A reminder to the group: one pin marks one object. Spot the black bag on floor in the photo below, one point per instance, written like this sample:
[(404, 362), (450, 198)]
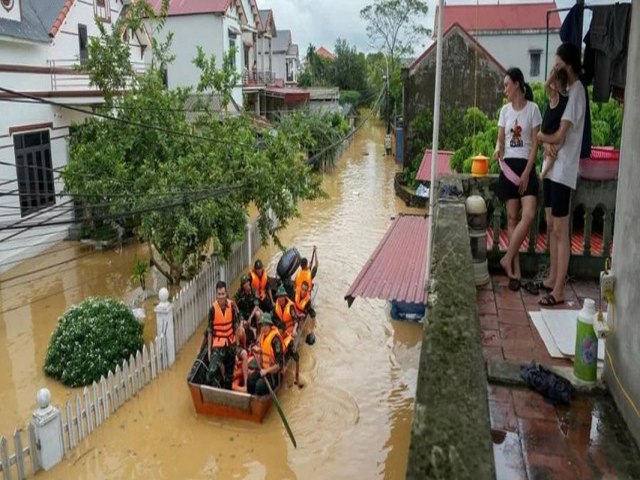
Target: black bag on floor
[(554, 388)]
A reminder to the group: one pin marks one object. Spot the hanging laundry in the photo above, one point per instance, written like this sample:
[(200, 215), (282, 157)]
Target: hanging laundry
[(606, 52), (570, 29)]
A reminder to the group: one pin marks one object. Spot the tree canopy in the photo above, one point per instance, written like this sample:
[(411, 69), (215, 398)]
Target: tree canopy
[(180, 178)]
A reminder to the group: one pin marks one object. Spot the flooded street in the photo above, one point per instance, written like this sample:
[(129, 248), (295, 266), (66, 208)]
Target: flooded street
[(351, 420)]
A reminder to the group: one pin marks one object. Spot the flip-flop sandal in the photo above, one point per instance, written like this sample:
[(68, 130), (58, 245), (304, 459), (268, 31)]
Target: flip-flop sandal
[(550, 301), (541, 286), (532, 288), (514, 284)]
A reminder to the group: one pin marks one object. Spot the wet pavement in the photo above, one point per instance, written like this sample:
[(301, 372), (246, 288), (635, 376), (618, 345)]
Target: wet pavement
[(351, 420), (533, 439)]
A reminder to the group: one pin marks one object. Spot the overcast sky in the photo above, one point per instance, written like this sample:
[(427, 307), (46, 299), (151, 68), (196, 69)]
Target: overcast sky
[(321, 22)]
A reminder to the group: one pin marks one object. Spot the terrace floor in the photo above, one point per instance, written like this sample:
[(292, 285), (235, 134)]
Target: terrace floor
[(533, 439)]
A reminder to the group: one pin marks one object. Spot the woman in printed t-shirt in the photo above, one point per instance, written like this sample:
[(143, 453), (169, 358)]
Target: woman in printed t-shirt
[(565, 145), (516, 150)]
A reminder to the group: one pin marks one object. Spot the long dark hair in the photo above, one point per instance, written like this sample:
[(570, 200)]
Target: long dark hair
[(516, 76), (570, 54)]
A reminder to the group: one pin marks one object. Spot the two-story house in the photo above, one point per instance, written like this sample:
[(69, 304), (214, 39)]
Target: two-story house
[(40, 42), (284, 56), (515, 34), (220, 27)]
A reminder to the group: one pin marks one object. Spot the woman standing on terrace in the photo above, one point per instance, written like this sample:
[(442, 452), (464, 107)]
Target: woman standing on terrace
[(516, 150), (564, 145)]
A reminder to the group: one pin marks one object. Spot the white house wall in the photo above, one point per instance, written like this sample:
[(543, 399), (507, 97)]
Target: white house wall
[(513, 50), (19, 244), (209, 31)]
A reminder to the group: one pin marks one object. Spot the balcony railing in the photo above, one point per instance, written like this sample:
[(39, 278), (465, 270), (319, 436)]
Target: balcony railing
[(65, 76), (591, 222), (257, 78)]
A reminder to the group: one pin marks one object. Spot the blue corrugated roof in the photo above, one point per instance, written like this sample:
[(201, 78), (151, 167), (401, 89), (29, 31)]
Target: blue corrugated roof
[(38, 16)]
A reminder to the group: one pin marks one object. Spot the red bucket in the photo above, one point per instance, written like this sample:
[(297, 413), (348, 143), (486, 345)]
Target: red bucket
[(603, 164)]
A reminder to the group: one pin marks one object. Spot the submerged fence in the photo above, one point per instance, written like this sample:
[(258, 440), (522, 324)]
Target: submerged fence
[(36, 448), (193, 301)]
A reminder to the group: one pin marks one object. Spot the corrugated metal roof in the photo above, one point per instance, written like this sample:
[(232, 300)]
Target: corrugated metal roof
[(38, 18), (397, 268), (443, 165)]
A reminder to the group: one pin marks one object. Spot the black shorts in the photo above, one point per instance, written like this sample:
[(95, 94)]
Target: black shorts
[(509, 191), (557, 197)]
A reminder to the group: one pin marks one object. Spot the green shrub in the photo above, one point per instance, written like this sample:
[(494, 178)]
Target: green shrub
[(90, 339), (351, 97)]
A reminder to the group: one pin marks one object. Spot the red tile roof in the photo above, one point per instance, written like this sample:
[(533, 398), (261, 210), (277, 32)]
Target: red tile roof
[(503, 16), (443, 165), (397, 268), (191, 7), (456, 27), (61, 17), (324, 53)]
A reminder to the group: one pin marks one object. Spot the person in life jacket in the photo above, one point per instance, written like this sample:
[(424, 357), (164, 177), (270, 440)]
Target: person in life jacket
[(302, 304), (269, 351), (260, 284), (285, 313), (307, 271), (222, 335), (248, 304), (307, 274)]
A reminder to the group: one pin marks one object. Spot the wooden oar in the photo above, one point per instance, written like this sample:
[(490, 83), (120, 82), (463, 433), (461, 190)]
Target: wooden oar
[(280, 411)]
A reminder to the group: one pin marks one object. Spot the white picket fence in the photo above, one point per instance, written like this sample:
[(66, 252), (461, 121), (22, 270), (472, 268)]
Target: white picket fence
[(192, 303), (83, 415), (89, 410), (18, 459)]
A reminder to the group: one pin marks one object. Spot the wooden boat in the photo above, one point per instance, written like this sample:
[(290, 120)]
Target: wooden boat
[(221, 402)]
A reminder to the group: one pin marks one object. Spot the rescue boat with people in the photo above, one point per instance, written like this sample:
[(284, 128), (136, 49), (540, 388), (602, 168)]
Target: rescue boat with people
[(221, 402)]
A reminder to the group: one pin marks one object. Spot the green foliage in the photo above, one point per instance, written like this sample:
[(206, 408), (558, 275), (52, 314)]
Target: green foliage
[(350, 97), (171, 181), (350, 68), (315, 132), (140, 272), (606, 123), (91, 339), (394, 27), (410, 173), (318, 72), (606, 130)]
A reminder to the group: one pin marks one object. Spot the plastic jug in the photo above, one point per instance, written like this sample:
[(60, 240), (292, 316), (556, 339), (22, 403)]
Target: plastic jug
[(585, 361)]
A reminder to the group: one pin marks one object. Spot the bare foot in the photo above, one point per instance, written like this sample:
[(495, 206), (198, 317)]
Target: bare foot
[(507, 267)]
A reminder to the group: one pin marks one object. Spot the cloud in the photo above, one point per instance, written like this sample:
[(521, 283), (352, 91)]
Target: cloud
[(320, 22)]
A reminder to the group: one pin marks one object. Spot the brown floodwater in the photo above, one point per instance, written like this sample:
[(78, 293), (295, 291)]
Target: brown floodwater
[(351, 420)]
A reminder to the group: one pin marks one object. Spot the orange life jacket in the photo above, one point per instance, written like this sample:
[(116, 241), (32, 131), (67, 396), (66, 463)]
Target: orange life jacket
[(223, 334), (267, 355), (304, 275), (285, 315), (301, 302), (259, 284)]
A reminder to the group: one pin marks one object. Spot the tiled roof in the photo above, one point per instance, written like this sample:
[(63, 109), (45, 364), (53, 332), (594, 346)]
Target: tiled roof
[(443, 165), (455, 28), (324, 53), (282, 41), (502, 16), (191, 7), (40, 20), (397, 268)]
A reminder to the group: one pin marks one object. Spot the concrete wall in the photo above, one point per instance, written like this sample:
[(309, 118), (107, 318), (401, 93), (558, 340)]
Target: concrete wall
[(458, 92), (624, 346), (450, 436), (517, 54)]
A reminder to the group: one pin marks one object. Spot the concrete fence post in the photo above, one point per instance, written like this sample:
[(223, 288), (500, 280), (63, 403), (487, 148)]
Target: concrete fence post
[(164, 324), (47, 422), (248, 234)]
